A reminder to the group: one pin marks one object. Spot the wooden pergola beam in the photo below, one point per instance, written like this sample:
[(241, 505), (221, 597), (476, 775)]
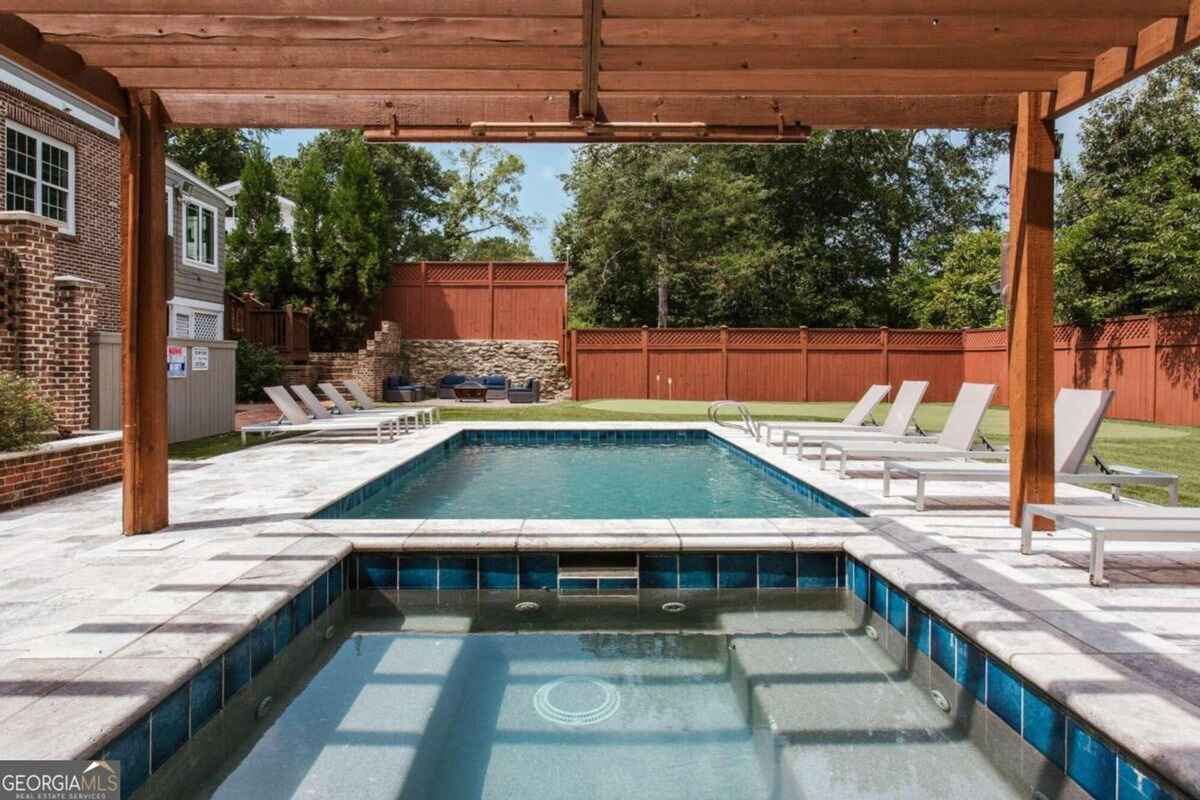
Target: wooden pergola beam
[(25, 45), (1157, 44), (589, 94), (144, 315), (1030, 296), (435, 111), (349, 80)]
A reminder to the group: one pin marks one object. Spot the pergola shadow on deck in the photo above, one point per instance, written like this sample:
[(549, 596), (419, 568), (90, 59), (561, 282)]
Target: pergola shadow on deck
[(590, 70)]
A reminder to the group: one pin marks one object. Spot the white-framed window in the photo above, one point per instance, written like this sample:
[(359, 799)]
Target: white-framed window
[(199, 234), (39, 175), (170, 210), (196, 319)]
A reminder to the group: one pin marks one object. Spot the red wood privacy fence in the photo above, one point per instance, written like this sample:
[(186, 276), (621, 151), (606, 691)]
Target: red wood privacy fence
[(1152, 363), (477, 300)]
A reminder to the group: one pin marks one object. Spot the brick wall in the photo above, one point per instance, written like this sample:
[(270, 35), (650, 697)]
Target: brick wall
[(94, 250), (58, 469), (382, 356), (76, 301)]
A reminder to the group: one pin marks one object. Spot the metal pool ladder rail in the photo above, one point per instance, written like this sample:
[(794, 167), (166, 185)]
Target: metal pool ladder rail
[(746, 423)]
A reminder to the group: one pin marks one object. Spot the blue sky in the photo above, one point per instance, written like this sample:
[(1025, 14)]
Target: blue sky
[(542, 193)]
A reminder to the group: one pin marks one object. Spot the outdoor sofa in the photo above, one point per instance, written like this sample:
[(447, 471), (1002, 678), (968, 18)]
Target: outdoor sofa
[(529, 392)]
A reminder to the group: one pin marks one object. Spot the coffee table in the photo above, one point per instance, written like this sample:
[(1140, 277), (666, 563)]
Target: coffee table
[(474, 392)]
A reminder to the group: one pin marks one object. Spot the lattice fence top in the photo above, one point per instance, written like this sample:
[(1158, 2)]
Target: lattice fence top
[(529, 273), (997, 337), (456, 272), (406, 273), (1131, 330), (1180, 329), (783, 337), (852, 337), (1063, 334), (611, 336), (684, 336), (926, 340), (477, 272)]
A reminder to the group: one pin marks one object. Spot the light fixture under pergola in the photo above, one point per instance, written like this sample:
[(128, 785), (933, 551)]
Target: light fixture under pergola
[(591, 70)]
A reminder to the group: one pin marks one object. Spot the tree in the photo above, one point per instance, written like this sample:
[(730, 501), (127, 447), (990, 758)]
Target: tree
[(216, 155), (311, 195), (965, 294), (1129, 213), (259, 256), (354, 253), (497, 248), (483, 199)]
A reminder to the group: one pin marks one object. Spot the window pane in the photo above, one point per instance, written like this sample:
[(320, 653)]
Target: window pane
[(192, 231), (207, 234), (19, 193), (22, 153), (20, 184), (54, 203), (56, 166)]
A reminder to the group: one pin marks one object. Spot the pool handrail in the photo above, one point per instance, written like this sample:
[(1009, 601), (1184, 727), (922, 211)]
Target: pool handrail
[(746, 424)]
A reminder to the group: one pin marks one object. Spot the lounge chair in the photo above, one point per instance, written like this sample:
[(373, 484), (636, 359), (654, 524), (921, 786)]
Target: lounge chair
[(955, 440), (1077, 417), (319, 411), (426, 415), (530, 392), (859, 417), (894, 429), (445, 387), (295, 420), (1112, 523)]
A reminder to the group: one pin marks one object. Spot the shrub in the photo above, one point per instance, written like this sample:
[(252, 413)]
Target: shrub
[(257, 366), (25, 417)]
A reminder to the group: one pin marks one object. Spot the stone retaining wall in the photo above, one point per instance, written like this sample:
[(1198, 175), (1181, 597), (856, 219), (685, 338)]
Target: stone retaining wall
[(58, 468), (428, 360)]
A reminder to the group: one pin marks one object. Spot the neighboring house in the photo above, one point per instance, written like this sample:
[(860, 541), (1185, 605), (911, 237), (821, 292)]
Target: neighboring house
[(287, 209), (60, 258)]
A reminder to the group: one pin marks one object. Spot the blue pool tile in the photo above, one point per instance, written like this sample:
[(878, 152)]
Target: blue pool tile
[(132, 749), (498, 572), (539, 571), (1091, 763), (777, 570), (736, 571), (577, 584), (658, 571), (335, 581), (860, 578), (352, 571), (971, 670), (302, 610), (879, 595), (697, 571), (418, 572), (622, 584), (376, 571), (237, 667), (320, 595), (840, 566), (919, 634), (169, 727), (1044, 727), (817, 570), (897, 615), (457, 572), (284, 627), (943, 646), (1004, 694), (262, 646), (206, 695), (1133, 784)]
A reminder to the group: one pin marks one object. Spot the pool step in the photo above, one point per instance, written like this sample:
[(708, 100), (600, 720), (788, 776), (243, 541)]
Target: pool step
[(598, 573)]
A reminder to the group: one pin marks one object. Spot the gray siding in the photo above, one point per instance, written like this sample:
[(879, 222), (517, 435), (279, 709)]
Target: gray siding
[(193, 282), (202, 404)]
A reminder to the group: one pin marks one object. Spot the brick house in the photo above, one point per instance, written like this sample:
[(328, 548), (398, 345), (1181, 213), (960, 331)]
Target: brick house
[(60, 244)]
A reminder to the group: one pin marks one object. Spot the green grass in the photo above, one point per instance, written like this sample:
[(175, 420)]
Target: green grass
[(1158, 447)]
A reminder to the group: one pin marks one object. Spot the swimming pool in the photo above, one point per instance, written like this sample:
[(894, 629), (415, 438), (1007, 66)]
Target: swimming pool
[(497, 474)]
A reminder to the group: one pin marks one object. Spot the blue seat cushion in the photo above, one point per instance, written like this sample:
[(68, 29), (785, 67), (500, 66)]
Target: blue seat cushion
[(454, 379), (494, 381)]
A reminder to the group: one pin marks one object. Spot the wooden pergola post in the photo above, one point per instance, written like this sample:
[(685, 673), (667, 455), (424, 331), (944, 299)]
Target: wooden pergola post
[(1031, 307), (144, 314)]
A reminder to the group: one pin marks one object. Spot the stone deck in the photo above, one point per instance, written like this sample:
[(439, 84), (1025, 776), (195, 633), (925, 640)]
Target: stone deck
[(97, 628)]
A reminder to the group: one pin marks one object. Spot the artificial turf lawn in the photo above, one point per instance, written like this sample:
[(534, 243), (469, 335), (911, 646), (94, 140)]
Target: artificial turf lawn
[(1140, 444)]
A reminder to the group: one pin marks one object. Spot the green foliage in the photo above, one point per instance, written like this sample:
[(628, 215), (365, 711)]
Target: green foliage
[(259, 255), (216, 155), (25, 417), (483, 199), (966, 293), (257, 366), (1129, 214), (497, 248)]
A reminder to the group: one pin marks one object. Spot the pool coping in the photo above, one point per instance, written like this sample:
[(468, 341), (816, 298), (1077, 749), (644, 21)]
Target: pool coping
[(1150, 722)]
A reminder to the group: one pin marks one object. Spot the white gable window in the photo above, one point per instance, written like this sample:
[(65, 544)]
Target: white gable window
[(39, 175), (199, 235)]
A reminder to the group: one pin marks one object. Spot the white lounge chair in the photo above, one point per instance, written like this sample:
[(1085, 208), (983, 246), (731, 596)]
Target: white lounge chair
[(1112, 523), (318, 410), (894, 429), (425, 414), (1077, 417), (294, 420), (859, 417), (955, 440)]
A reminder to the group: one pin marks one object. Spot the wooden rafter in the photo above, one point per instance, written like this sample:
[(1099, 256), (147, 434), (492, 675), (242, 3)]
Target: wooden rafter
[(24, 44), (589, 100)]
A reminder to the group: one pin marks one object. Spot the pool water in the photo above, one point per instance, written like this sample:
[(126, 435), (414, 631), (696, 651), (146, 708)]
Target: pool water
[(811, 709), (592, 481)]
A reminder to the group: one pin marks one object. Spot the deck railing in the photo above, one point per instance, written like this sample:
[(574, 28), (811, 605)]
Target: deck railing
[(284, 330)]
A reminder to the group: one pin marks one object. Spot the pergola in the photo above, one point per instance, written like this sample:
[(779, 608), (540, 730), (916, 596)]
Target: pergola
[(583, 71)]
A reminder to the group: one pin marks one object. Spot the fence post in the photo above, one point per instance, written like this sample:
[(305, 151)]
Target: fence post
[(803, 363), (1153, 368), (289, 331), (883, 343), (574, 365), (724, 362), (646, 361)]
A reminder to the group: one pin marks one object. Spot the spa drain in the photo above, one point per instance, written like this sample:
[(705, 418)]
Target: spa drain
[(527, 607), (581, 692), (673, 607)]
